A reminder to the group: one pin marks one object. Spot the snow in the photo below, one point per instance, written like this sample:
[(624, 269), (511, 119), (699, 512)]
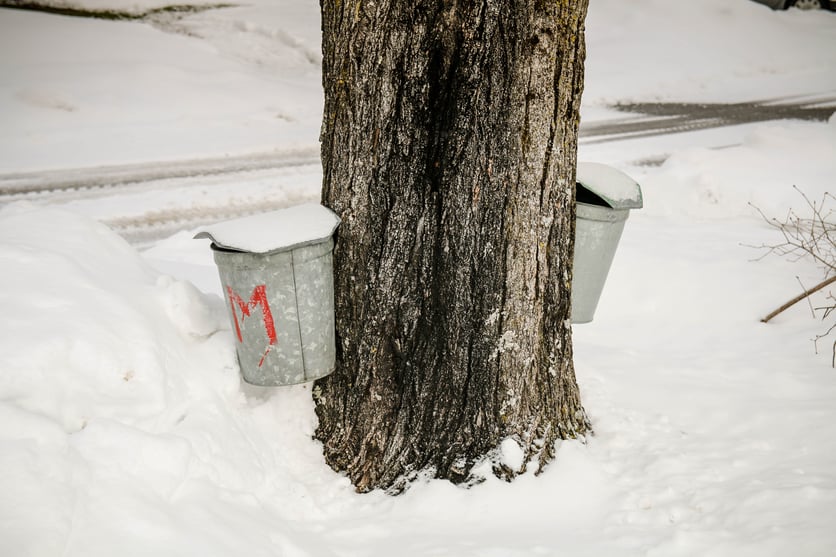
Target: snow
[(618, 189), (761, 169), (125, 428), (511, 454), (275, 231), (708, 51), (82, 92)]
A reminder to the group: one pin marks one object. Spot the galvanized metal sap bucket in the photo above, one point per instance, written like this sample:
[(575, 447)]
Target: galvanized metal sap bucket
[(605, 197), (277, 275)]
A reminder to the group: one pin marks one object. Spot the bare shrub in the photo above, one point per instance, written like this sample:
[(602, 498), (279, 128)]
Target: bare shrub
[(810, 236)]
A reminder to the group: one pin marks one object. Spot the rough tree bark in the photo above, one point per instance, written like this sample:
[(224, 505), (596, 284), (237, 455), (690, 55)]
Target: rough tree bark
[(449, 147)]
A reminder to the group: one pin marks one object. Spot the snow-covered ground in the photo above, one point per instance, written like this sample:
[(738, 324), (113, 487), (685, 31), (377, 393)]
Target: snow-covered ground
[(125, 430), (84, 92)]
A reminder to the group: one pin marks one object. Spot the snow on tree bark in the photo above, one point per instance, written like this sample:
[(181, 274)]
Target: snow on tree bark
[(449, 145)]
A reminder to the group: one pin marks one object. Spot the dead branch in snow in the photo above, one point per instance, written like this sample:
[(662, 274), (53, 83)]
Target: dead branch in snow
[(813, 237), (800, 297)]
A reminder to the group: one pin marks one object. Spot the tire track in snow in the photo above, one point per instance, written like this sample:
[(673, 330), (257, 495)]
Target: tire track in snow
[(156, 225), (148, 202), (77, 183), (222, 174), (654, 119)]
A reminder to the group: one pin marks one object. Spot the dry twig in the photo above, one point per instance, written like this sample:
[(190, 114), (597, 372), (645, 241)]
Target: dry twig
[(800, 297), (813, 237)]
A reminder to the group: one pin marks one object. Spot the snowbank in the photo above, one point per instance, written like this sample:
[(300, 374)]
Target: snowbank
[(708, 183), (122, 424)]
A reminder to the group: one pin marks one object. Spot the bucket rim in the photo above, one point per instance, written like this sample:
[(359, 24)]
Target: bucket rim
[(273, 232)]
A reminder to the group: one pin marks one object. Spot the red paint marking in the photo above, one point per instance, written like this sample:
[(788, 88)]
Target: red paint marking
[(264, 357), (258, 298)]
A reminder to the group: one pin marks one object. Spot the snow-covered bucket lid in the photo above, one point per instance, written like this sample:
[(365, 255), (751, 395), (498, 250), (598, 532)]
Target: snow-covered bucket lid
[(617, 189), (274, 232)]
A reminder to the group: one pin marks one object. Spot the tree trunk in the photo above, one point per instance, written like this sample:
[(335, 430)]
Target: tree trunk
[(449, 148)]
